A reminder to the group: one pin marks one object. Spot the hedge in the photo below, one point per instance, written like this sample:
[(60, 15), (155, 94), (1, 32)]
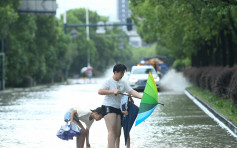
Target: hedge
[(222, 81)]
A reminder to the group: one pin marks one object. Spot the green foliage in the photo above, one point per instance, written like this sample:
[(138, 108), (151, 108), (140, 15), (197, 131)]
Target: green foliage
[(203, 31), (38, 50), (136, 54), (21, 37), (104, 49), (144, 52), (180, 64), (8, 11), (224, 106)]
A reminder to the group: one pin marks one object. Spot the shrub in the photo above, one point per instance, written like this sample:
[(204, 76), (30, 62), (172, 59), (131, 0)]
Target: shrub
[(204, 78), (27, 81), (214, 72), (222, 82), (232, 91), (198, 76)]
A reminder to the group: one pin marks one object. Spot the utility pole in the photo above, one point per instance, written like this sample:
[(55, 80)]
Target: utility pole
[(65, 31), (87, 36), (2, 67), (65, 21)]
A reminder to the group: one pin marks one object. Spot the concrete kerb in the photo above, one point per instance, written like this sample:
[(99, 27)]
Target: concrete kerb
[(231, 126), (24, 89)]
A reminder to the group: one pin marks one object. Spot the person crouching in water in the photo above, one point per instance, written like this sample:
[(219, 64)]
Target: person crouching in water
[(87, 116)]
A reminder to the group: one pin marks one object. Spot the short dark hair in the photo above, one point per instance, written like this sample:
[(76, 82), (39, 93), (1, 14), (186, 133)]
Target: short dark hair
[(97, 110), (119, 68)]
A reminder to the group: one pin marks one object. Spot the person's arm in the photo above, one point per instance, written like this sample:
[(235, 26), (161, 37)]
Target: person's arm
[(131, 99), (108, 92), (135, 94), (77, 122), (72, 114), (123, 107), (124, 112), (131, 91)]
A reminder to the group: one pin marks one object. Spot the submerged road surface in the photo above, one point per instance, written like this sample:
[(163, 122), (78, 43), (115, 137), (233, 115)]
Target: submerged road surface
[(31, 118)]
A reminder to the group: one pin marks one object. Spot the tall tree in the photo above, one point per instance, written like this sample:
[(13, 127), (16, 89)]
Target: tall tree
[(103, 48), (188, 28)]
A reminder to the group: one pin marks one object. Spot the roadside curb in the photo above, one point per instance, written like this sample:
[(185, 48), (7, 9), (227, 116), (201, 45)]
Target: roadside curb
[(219, 116), (24, 89)]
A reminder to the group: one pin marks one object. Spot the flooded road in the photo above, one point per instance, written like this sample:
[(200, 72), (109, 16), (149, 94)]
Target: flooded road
[(31, 118)]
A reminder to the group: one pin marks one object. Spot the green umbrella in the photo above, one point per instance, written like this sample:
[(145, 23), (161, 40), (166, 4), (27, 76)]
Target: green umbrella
[(149, 100)]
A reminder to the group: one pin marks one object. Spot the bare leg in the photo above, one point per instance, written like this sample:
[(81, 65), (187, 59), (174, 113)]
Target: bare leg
[(81, 139), (112, 125), (128, 142), (87, 138), (118, 131)]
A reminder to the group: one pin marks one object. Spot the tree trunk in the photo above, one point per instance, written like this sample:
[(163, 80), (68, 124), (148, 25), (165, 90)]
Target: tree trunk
[(218, 57), (223, 48), (231, 53)]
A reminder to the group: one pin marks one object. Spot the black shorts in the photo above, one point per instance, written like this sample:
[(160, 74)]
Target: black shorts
[(109, 109)]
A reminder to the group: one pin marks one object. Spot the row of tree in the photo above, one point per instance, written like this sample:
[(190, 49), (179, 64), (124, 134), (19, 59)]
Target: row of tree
[(199, 33), (37, 50)]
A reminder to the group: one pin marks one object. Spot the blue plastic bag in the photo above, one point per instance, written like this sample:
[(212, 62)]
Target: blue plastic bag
[(68, 131)]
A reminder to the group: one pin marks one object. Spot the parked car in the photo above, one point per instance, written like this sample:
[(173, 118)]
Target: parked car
[(139, 75)]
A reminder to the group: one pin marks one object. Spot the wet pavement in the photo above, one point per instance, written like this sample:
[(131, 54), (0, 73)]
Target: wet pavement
[(30, 118)]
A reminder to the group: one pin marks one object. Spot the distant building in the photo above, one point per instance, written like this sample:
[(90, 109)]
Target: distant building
[(124, 13)]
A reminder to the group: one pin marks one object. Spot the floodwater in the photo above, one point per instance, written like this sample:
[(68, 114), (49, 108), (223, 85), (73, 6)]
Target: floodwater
[(30, 118)]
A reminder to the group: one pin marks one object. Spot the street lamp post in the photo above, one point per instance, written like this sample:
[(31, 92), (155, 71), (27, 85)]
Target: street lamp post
[(2, 67), (87, 36)]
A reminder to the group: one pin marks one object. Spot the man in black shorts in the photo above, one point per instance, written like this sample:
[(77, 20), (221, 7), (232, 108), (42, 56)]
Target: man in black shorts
[(111, 104)]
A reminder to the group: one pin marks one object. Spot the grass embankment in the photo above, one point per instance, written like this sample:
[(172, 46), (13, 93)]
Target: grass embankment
[(223, 105)]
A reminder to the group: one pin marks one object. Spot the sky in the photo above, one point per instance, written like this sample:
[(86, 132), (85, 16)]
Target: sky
[(102, 7)]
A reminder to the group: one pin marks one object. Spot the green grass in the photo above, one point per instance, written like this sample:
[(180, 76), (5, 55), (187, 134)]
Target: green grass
[(224, 106)]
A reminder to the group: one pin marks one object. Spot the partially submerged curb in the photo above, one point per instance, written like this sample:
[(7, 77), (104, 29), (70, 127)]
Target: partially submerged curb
[(219, 116), (24, 89)]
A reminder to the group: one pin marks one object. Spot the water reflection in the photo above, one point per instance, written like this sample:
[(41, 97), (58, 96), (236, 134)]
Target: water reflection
[(181, 124)]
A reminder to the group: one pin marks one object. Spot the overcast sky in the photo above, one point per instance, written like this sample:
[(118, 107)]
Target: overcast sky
[(102, 7)]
